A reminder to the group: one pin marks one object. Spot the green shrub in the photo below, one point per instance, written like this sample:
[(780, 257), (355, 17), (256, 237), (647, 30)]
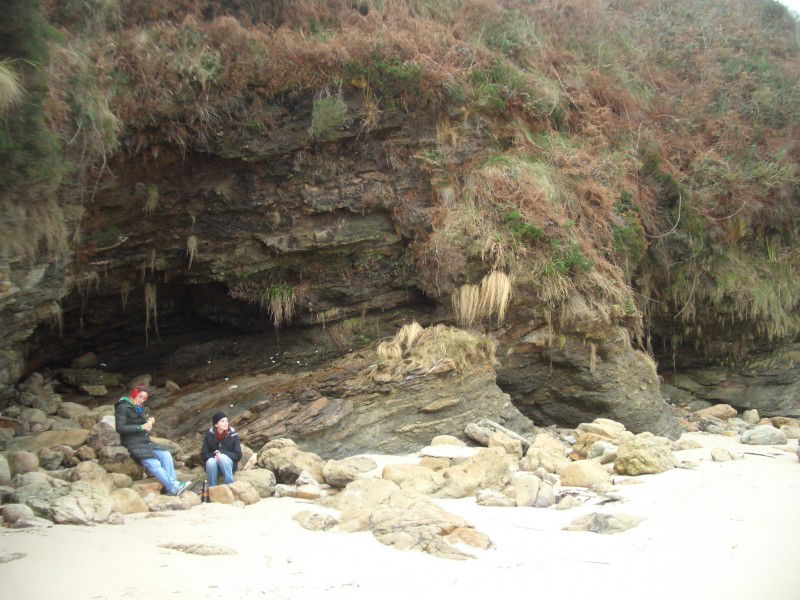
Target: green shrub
[(328, 115)]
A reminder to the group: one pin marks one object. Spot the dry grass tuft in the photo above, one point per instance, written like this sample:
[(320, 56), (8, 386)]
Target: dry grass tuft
[(473, 303), (419, 349), (11, 91)]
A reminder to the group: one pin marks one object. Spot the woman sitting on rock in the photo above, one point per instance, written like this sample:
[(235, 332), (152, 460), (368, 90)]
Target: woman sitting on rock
[(221, 449), (134, 433)]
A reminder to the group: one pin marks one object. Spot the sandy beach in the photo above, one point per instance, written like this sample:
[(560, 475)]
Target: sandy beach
[(718, 531)]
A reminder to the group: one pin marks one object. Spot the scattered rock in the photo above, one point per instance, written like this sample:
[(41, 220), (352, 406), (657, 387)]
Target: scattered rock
[(416, 477), (526, 488), (338, 473), (602, 523), (13, 556), (751, 416), (446, 440), (262, 480), (102, 434), (494, 498), (491, 467), (22, 462), (127, 502), (763, 435), (200, 549), (14, 512), (221, 493), (584, 473), (508, 444), (287, 463), (645, 453), (718, 411), (314, 521)]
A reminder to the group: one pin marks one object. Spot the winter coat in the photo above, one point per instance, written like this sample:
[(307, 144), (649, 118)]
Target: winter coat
[(131, 434), (229, 446)]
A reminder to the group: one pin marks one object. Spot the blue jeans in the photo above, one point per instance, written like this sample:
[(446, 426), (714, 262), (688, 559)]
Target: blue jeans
[(162, 468), (214, 465)]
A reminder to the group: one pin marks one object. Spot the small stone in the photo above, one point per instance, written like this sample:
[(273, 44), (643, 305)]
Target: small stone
[(751, 416), (314, 521), (200, 549), (602, 523), (584, 473), (447, 440), (567, 502), (763, 435)]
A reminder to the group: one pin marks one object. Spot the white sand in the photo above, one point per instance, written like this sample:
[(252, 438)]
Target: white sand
[(723, 531)]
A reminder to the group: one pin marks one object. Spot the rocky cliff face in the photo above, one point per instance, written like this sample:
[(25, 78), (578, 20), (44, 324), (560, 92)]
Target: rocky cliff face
[(229, 219)]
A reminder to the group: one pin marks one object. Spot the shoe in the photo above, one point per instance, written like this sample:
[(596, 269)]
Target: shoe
[(181, 487)]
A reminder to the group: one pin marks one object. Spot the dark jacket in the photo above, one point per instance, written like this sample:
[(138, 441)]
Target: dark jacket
[(229, 446), (132, 436)]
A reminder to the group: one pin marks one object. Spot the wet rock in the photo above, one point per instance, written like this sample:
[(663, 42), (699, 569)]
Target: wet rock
[(584, 473), (763, 435), (314, 521), (602, 523), (643, 454)]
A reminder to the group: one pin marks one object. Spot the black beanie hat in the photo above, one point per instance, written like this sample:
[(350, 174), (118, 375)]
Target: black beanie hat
[(217, 416)]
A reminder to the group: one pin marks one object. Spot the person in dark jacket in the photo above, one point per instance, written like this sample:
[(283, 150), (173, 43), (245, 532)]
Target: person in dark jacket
[(221, 450), (134, 432)]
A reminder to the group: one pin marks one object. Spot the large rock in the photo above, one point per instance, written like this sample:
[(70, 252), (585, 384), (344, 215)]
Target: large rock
[(72, 410), (48, 439), (599, 430), (763, 435), (86, 503), (545, 452), (338, 473), (14, 512), (22, 462), (221, 494), (48, 404), (584, 473), (126, 502), (244, 491), (718, 411), (491, 467), (288, 463), (103, 434), (415, 477), (5, 471), (644, 454), (768, 382), (574, 381), (263, 480)]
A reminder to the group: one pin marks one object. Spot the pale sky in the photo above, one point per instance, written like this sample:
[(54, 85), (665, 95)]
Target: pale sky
[(792, 4)]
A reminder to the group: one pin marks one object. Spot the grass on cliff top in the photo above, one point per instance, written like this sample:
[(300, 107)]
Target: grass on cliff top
[(415, 348)]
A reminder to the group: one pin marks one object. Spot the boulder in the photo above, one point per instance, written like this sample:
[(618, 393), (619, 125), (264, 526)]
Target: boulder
[(338, 473), (314, 521), (50, 458), (599, 430), (84, 504), (494, 498), (447, 440), (718, 411), (94, 390), (605, 452), (21, 461), (221, 494), (14, 512), (526, 488), (90, 471), (102, 434), (33, 416), (263, 480), (287, 463), (5, 471), (86, 360), (508, 444), (763, 435), (48, 404), (244, 492), (584, 473), (491, 467), (751, 416), (602, 523), (415, 477), (645, 453), (126, 501), (48, 439)]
